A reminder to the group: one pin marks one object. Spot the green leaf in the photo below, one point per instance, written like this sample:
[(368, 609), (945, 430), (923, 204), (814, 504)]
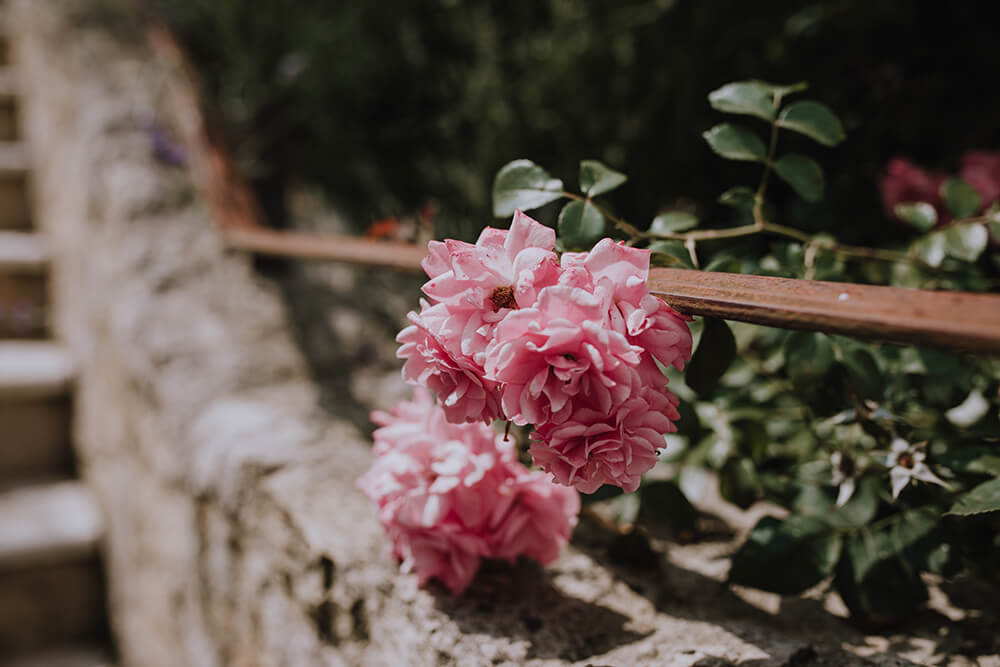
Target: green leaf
[(983, 498), (735, 142), (779, 89), (738, 482), (975, 460), (889, 592), (672, 222), (962, 199), (724, 264), (670, 253), (902, 532), (863, 373), (596, 178), (932, 249), (524, 185), (803, 174), (786, 556), (861, 508), (994, 228), (605, 492), (744, 97), (716, 352), (808, 357), (813, 119), (920, 214), (739, 196), (965, 242), (580, 224), (665, 511), (688, 424)]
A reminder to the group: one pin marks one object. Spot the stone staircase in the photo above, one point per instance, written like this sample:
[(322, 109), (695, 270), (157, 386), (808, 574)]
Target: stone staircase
[(52, 593)]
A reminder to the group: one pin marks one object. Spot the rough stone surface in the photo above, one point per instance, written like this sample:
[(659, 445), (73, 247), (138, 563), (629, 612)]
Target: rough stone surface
[(235, 534)]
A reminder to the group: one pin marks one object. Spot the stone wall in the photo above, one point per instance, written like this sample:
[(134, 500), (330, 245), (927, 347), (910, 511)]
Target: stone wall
[(235, 534)]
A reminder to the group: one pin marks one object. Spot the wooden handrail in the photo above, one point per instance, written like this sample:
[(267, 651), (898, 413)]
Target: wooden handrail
[(399, 256), (958, 320), (945, 319)]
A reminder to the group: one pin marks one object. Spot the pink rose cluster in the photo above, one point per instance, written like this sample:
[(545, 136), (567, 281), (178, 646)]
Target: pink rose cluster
[(904, 181), (568, 344), (452, 494)]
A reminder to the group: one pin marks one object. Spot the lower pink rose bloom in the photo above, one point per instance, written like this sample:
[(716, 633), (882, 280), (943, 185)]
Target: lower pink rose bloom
[(593, 448), (451, 494)]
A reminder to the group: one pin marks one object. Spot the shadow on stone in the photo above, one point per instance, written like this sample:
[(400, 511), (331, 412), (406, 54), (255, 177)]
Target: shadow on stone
[(520, 602), (345, 323)]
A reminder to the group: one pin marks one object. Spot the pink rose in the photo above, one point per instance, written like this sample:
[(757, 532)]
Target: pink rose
[(545, 355), (904, 181), (539, 522), (449, 495), (480, 283), (622, 274), (417, 425), (593, 447), (981, 170), (465, 394)]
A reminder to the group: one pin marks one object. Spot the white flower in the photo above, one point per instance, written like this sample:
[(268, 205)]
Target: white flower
[(844, 476), (906, 462)]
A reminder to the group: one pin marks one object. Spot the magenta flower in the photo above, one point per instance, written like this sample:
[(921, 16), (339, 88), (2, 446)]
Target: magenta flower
[(451, 494), (904, 181), (594, 447)]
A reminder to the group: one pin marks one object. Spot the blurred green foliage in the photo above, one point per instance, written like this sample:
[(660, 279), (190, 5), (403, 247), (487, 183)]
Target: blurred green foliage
[(387, 105)]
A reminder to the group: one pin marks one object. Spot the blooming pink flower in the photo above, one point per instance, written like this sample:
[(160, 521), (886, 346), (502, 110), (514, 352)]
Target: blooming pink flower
[(539, 522), (981, 170), (480, 283), (622, 274), (546, 355), (904, 181), (455, 378), (595, 447), (451, 494)]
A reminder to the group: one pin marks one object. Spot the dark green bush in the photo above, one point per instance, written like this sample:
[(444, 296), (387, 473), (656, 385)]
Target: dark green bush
[(386, 105)]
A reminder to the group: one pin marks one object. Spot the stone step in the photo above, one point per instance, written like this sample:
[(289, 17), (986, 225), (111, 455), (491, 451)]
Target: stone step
[(36, 440), (51, 586), (13, 158), (83, 656), (15, 210), (23, 285), (34, 370), (52, 605), (8, 83), (9, 126), (48, 523), (22, 253), (23, 310)]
